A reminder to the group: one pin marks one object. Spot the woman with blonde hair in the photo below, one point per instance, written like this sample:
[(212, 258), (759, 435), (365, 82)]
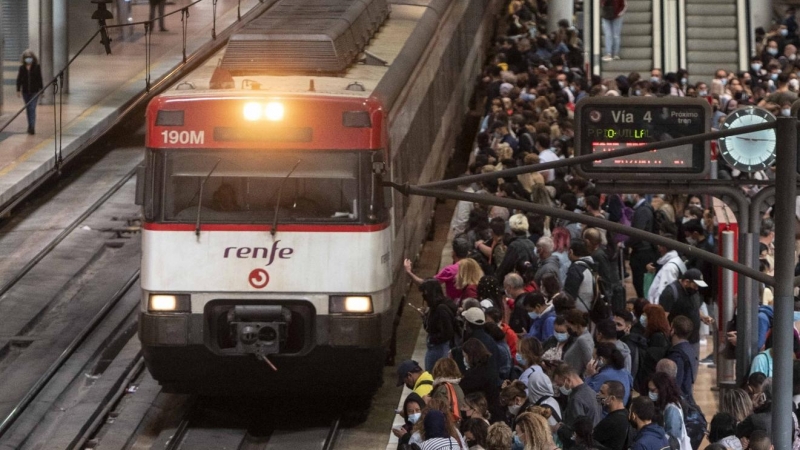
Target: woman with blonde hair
[(467, 278), (499, 437), (528, 180), (736, 402), (533, 433)]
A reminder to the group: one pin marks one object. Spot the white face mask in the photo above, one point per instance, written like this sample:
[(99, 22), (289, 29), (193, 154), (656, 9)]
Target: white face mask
[(414, 418), (28, 60), (564, 390), (691, 241), (514, 409)]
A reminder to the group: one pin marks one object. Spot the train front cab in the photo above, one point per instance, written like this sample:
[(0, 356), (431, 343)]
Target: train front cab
[(265, 264)]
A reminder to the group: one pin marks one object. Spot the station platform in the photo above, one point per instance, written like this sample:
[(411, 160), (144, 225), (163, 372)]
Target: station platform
[(103, 87)]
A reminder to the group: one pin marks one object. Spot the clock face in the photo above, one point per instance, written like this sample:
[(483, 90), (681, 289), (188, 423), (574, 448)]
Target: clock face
[(749, 152)]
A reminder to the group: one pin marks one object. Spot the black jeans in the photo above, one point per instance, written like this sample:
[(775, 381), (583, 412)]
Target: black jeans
[(640, 258), (160, 5)]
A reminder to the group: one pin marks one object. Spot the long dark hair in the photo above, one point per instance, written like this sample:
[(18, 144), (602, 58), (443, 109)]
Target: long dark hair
[(668, 391), (432, 293)]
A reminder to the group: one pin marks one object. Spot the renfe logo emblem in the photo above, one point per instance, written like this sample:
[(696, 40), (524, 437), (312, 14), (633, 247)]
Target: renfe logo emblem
[(258, 278), (268, 254)]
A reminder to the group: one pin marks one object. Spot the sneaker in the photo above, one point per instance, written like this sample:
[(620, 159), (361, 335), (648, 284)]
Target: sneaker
[(616, 57), (607, 58), (707, 360)]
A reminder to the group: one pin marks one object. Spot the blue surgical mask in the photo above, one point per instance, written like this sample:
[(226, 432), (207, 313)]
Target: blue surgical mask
[(772, 51), (797, 316), (533, 315), (521, 359), (643, 320), (786, 112), (28, 60), (466, 364), (724, 81), (684, 81), (564, 390), (653, 396), (518, 442), (414, 418), (655, 79), (637, 92), (561, 337), (702, 93), (773, 76), (755, 67), (784, 32)]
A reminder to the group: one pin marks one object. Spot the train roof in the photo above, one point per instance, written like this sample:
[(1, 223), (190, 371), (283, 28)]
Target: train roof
[(358, 80)]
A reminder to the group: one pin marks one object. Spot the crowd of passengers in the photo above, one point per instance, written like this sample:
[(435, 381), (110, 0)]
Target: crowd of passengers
[(532, 342)]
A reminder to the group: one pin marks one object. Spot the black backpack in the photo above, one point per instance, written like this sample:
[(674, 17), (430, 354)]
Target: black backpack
[(695, 422)]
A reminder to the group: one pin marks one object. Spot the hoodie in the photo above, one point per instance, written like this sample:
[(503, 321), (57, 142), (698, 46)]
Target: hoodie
[(540, 393), (439, 323), (672, 267), (580, 282), (551, 264), (543, 326), (651, 437)]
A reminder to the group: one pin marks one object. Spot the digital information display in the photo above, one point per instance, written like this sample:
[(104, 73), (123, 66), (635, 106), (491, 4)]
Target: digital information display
[(604, 124)]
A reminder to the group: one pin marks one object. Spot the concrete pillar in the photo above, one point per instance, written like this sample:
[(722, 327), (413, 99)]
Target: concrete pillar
[(33, 28), (2, 43), (760, 16), (557, 10), (61, 39), (46, 47)]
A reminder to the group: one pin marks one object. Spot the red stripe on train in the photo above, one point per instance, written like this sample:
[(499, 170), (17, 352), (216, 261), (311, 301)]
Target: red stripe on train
[(288, 227)]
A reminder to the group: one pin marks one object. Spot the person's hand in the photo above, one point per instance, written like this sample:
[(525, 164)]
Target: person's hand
[(591, 368), (731, 337), (505, 384), (651, 268), (407, 265), (708, 320), (478, 244), (399, 432)]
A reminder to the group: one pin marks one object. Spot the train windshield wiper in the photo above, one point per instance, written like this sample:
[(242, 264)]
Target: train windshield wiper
[(200, 198), (278, 201)]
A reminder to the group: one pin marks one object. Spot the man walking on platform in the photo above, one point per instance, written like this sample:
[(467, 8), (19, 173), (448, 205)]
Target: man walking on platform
[(160, 5)]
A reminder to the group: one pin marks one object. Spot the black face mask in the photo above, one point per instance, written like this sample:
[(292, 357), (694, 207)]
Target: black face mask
[(691, 291), (620, 334), (471, 443)]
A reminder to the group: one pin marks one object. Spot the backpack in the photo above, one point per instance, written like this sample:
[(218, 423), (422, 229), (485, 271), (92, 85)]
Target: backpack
[(597, 288), (695, 422), (626, 219)]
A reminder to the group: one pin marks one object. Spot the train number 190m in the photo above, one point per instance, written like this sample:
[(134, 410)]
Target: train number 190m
[(183, 137)]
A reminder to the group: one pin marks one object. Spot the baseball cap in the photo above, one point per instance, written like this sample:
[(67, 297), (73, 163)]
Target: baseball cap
[(486, 303), (696, 276), (405, 368), (474, 316)]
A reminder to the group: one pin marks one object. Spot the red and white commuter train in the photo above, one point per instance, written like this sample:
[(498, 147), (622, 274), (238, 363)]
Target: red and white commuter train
[(272, 254)]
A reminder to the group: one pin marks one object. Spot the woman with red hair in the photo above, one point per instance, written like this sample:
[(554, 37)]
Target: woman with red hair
[(654, 320)]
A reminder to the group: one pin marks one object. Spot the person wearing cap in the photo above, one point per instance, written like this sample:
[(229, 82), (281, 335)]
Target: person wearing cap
[(681, 298), (495, 315), (411, 374), (475, 319)]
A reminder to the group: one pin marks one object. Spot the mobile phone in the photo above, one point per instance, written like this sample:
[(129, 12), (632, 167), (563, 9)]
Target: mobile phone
[(419, 310)]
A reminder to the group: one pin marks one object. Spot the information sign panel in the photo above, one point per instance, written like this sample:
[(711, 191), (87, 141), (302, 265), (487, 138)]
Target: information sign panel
[(607, 123)]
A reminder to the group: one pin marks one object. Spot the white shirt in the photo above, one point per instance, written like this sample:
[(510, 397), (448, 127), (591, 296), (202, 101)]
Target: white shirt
[(459, 222), (548, 155), (672, 267)]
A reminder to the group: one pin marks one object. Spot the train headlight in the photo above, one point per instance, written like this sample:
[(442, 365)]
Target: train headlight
[(274, 111), (352, 304), (253, 111), (169, 303)]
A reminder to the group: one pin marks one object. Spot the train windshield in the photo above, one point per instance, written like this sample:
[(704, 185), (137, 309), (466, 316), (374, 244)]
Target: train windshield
[(248, 186)]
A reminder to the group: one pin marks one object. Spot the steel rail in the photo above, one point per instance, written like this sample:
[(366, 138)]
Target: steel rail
[(333, 435), (64, 233), (20, 407)]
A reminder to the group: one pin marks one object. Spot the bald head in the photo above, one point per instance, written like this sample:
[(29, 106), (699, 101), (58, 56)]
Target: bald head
[(668, 367)]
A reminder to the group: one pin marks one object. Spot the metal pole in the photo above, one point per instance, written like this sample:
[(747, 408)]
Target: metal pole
[(747, 309), (61, 40), (46, 45), (783, 333), (2, 45), (726, 373)]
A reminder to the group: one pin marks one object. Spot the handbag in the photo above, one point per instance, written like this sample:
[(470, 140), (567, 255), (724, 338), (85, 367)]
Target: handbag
[(647, 282)]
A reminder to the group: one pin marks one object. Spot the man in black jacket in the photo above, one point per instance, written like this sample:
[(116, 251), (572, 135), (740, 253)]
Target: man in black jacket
[(612, 432), (683, 355), (642, 252), (29, 83), (606, 269)]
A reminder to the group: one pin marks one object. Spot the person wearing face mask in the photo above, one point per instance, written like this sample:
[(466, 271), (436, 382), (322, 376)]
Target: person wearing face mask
[(481, 376), (695, 235), (581, 400), (702, 89), (475, 431), (559, 343), (29, 83), (607, 365), (606, 332), (771, 50), (542, 315), (612, 432), (683, 354), (411, 412), (515, 399), (540, 393), (532, 433), (650, 435), (667, 400)]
